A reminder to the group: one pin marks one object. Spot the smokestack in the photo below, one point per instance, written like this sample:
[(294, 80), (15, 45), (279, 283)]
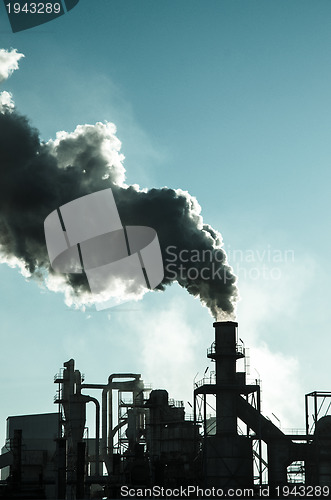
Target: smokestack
[(227, 456), (224, 352)]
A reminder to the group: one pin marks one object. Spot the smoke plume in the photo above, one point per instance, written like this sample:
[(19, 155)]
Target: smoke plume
[(37, 177), (8, 62)]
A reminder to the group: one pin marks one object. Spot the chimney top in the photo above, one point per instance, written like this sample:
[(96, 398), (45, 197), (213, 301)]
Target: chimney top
[(219, 323)]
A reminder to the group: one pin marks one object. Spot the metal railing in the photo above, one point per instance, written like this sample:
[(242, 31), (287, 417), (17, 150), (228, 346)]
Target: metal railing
[(59, 376), (206, 380), (294, 432), (58, 396), (240, 349), (177, 404)]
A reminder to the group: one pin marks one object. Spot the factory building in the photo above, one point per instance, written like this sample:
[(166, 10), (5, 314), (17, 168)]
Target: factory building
[(143, 438)]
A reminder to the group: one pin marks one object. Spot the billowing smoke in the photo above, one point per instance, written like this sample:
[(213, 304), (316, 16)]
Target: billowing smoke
[(36, 178), (8, 62)]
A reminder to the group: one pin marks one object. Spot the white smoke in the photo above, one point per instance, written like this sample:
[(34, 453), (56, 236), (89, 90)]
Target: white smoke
[(8, 62), (99, 141)]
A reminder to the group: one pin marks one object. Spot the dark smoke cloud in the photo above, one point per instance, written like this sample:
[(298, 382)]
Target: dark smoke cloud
[(175, 216), (36, 178)]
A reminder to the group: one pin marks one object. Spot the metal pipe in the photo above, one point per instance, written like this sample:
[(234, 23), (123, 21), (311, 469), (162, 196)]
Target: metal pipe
[(93, 386), (107, 451), (110, 422), (225, 356), (104, 431), (97, 433)]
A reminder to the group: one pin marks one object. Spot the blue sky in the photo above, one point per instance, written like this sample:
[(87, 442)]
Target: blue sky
[(229, 100)]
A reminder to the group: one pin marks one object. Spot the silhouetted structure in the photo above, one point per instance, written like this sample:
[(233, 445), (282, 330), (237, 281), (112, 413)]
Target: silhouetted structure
[(143, 438)]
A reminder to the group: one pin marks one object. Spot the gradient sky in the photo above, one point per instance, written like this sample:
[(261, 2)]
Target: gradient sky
[(231, 101)]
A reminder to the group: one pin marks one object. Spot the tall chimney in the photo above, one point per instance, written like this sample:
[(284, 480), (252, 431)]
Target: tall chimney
[(224, 352), (228, 456)]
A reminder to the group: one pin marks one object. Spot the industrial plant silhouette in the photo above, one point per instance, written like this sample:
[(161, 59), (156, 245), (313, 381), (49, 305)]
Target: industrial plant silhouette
[(143, 439)]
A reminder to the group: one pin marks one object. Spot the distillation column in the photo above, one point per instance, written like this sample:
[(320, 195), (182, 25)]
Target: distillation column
[(228, 460)]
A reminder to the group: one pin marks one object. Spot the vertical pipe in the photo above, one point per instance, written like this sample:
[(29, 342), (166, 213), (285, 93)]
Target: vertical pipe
[(204, 416), (315, 409), (80, 494), (204, 456), (259, 433), (110, 429), (225, 358), (61, 468), (195, 421), (97, 434), (307, 414), (104, 431), (16, 468)]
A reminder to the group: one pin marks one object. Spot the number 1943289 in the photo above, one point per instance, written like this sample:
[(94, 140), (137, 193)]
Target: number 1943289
[(33, 8)]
